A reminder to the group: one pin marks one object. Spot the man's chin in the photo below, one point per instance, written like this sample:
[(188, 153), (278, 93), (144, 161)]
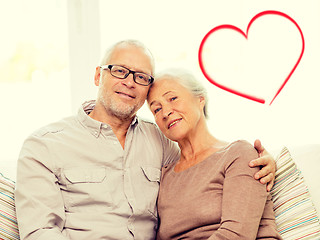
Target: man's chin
[(124, 113)]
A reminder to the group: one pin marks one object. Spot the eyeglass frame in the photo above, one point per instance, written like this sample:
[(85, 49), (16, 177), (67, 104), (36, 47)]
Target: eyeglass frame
[(105, 67)]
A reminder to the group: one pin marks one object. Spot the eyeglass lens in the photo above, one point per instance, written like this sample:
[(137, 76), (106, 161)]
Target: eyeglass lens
[(121, 72)]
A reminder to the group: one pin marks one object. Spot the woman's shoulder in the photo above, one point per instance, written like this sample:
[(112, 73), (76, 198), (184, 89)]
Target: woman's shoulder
[(240, 151), (241, 146)]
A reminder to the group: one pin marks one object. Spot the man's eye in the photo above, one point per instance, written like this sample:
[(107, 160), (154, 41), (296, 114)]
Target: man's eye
[(172, 99), (142, 78)]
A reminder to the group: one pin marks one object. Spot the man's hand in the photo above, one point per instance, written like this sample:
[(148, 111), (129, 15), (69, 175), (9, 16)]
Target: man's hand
[(267, 173)]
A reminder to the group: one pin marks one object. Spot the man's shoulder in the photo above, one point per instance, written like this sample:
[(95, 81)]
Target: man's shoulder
[(147, 123), (150, 129), (145, 120), (53, 127), (170, 150)]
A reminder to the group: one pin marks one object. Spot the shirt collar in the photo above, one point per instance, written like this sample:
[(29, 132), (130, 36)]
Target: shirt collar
[(95, 126)]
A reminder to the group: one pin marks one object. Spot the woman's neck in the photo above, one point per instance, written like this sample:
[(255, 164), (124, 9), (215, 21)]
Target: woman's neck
[(197, 146)]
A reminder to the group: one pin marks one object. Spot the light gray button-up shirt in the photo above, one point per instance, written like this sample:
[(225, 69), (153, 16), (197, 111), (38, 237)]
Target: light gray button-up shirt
[(75, 181)]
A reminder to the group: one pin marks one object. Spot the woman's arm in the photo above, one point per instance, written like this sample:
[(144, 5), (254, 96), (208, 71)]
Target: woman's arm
[(244, 198)]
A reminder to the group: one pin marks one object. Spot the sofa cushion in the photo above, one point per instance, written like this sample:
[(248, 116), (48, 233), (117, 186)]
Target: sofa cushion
[(307, 159), (8, 220), (295, 214)]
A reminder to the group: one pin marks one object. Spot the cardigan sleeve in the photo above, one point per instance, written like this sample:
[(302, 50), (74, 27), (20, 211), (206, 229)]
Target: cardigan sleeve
[(244, 198)]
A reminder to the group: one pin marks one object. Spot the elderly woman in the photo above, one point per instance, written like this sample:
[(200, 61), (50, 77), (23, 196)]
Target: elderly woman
[(210, 193)]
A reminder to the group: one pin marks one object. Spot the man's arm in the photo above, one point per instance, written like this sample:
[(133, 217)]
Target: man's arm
[(267, 172), (39, 204)]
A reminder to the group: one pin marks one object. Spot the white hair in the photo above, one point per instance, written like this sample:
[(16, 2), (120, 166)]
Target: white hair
[(188, 80), (129, 42)]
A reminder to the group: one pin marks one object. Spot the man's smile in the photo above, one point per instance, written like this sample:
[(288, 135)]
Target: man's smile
[(127, 95)]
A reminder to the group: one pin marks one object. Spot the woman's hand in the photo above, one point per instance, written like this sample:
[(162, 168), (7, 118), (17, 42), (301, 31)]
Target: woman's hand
[(266, 161)]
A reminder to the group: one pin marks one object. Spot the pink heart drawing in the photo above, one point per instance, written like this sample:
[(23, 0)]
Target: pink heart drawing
[(231, 27)]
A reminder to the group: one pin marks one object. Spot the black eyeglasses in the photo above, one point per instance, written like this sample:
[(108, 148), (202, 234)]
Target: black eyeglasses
[(123, 72)]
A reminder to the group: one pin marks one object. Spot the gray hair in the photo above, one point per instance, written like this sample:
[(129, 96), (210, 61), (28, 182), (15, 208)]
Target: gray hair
[(124, 43), (187, 80)]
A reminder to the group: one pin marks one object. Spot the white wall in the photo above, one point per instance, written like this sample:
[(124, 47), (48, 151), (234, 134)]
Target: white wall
[(173, 31)]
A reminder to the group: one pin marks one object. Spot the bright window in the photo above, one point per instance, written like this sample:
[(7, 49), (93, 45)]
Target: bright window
[(34, 77)]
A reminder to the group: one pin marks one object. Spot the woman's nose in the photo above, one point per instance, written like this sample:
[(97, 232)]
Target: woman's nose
[(167, 111)]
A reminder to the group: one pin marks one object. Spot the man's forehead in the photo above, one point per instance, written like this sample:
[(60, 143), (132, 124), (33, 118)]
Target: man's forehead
[(132, 57)]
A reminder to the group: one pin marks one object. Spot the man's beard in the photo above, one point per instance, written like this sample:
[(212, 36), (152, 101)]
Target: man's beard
[(116, 108)]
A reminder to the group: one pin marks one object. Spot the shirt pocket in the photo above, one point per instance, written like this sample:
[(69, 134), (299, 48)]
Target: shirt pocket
[(152, 174), (86, 188), (151, 188)]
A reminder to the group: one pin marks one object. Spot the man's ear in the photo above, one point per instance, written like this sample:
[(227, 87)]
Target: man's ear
[(97, 76)]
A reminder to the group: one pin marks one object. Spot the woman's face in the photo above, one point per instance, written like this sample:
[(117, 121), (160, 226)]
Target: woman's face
[(176, 110)]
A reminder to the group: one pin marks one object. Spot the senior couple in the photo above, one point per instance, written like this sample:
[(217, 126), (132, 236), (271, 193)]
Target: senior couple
[(96, 175)]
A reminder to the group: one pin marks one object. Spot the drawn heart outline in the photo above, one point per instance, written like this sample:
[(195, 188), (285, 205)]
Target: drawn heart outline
[(227, 26)]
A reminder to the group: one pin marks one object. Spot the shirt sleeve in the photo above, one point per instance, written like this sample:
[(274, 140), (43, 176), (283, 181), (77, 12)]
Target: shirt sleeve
[(39, 204), (244, 198)]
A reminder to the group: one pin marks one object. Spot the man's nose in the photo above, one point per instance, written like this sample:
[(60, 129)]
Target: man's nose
[(129, 81)]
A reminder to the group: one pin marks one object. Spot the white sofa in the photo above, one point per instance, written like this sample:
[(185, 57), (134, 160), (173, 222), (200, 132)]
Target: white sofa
[(296, 194)]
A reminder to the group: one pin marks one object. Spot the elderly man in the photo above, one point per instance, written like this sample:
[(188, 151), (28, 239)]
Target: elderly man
[(96, 175)]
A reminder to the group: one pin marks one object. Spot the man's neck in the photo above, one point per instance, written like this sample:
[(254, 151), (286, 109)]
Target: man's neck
[(119, 126)]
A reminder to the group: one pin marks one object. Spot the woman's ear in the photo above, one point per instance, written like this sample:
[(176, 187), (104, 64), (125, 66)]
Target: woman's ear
[(202, 100)]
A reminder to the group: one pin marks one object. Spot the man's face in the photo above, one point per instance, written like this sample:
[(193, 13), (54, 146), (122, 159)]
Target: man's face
[(123, 97)]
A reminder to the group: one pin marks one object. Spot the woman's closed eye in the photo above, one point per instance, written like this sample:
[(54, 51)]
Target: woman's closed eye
[(157, 110)]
